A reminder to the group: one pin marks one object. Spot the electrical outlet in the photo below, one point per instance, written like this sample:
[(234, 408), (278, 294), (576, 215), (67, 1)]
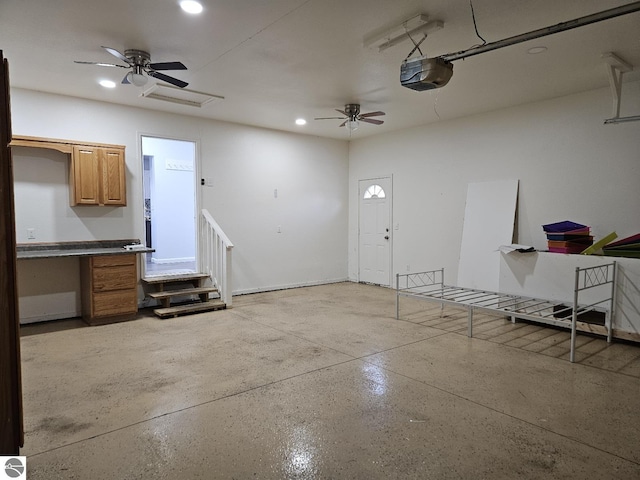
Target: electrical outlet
[(31, 233)]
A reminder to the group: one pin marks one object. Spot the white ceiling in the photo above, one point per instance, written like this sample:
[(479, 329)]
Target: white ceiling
[(276, 60)]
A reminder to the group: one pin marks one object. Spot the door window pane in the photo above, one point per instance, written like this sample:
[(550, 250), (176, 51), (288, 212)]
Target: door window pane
[(374, 191)]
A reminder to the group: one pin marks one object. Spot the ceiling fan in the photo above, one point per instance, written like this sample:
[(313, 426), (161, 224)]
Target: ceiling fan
[(352, 116), (139, 62)]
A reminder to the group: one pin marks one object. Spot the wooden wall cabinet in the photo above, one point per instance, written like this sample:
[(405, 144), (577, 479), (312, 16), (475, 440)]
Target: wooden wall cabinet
[(97, 176), (109, 288)]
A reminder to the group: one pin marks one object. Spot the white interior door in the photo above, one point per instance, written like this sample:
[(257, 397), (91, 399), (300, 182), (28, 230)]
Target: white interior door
[(374, 238)]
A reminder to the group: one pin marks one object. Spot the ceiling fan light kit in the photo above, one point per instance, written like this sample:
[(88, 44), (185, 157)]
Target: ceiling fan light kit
[(352, 117), (135, 77), (352, 125), (140, 64)]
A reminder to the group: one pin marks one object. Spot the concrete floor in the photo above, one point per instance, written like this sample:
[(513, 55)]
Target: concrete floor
[(323, 382)]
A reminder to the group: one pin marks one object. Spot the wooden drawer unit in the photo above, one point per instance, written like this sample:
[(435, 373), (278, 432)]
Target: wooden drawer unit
[(109, 288)]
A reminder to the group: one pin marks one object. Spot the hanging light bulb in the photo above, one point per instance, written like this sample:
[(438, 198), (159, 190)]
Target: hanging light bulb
[(138, 79), (352, 124)]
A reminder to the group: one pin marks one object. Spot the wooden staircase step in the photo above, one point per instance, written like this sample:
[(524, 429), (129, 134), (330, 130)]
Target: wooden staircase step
[(181, 291), (184, 277), (190, 308)]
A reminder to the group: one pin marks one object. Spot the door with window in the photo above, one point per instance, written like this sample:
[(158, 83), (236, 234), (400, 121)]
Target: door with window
[(374, 231)]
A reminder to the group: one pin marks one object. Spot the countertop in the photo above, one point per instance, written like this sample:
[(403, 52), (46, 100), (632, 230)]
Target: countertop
[(77, 249)]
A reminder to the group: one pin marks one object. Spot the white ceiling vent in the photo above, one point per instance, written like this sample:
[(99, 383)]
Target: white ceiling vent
[(181, 96)]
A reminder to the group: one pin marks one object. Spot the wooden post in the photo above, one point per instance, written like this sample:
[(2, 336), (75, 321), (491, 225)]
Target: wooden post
[(11, 428)]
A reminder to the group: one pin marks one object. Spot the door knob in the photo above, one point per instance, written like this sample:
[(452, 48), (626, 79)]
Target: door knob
[(386, 237)]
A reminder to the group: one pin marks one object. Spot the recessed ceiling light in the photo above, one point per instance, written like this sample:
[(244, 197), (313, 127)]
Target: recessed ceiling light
[(190, 6), (108, 84), (301, 121), (536, 50)]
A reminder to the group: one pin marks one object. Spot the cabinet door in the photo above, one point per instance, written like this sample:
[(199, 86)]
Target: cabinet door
[(85, 176), (113, 177)]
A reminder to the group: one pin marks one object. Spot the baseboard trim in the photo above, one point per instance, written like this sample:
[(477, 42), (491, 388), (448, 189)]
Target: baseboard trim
[(166, 261), (289, 286), (49, 316)]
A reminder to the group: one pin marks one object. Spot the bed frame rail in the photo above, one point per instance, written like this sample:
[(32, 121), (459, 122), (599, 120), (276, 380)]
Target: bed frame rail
[(429, 285)]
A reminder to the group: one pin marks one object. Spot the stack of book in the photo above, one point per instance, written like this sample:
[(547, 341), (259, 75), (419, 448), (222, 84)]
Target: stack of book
[(568, 237), (627, 247)]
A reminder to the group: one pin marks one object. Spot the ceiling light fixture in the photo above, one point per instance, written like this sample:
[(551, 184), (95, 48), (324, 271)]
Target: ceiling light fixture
[(191, 6), (536, 50), (138, 79), (352, 124), (108, 83), (301, 121)]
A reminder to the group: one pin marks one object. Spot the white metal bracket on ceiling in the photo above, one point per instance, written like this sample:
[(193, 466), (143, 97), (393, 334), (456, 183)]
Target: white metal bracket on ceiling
[(395, 34), (616, 67)]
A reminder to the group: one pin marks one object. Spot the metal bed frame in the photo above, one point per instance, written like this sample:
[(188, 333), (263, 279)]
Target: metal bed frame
[(430, 286)]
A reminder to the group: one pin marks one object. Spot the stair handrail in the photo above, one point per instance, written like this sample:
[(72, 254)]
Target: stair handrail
[(215, 256)]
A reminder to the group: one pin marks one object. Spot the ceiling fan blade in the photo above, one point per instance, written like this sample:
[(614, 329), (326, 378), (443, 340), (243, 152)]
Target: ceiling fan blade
[(117, 54), (342, 112), (329, 118), (343, 123), (100, 64), (168, 66), (167, 78), (125, 80), (371, 120), (371, 114)]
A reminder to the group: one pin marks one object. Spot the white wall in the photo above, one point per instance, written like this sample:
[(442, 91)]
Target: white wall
[(41, 179), (569, 164), (298, 236), (246, 165), (570, 167), (552, 276)]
